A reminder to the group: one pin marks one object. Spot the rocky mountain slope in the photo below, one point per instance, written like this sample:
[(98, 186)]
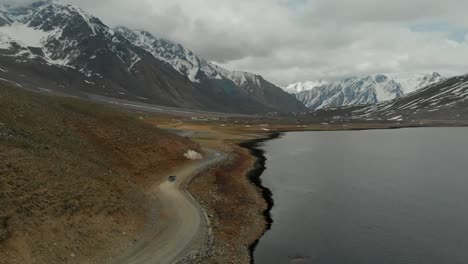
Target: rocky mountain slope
[(206, 74), (61, 47), (446, 100), (359, 90)]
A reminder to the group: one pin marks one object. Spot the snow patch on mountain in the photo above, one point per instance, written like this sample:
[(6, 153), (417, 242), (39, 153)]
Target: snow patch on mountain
[(242, 78), (413, 82), (296, 88), (26, 36), (5, 41)]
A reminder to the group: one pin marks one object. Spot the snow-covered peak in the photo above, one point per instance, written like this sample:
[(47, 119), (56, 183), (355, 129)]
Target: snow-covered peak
[(351, 91), (180, 58), (409, 82), (185, 61), (413, 82), (195, 68), (368, 89), (241, 78), (296, 88), (78, 50), (445, 99), (380, 85), (52, 33), (50, 15)]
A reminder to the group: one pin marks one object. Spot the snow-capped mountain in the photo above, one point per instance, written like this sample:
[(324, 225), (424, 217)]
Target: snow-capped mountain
[(351, 91), (203, 72), (296, 88), (62, 47), (445, 100), (362, 90), (415, 82), (180, 58), (53, 33), (262, 90)]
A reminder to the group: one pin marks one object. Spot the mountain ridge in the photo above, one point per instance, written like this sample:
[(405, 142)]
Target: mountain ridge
[(201, 71), (445, 100), (62, 46), (363, 90)]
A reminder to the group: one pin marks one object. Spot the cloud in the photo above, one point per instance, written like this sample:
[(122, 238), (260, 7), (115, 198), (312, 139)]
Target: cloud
[(296, 40)]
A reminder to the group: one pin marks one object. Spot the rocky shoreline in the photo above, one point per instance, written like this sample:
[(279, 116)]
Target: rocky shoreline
[(254, 175)]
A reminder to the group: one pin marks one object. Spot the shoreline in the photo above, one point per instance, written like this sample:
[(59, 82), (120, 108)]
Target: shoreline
[(254, 176)]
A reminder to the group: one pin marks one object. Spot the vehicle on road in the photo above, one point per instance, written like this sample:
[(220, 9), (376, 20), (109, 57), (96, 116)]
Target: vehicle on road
[(172, 178)]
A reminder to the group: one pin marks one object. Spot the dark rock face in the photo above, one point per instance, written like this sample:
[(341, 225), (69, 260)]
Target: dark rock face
[(266, 93), (78, 53), (380, 78), (4, 20)]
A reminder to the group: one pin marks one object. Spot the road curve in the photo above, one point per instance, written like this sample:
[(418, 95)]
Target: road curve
[(177, 225)]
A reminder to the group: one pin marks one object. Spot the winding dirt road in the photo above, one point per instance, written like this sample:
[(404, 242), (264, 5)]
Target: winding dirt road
[(178, 224)]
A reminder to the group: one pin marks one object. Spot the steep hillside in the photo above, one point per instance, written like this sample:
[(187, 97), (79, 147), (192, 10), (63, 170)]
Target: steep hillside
[(264, 92), (73, 177), (61, 46), (205, 74)]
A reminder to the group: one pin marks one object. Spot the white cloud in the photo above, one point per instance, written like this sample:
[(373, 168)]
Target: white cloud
[(295, 40)]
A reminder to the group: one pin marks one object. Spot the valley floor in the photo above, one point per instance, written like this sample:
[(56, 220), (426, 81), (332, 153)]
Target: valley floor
[(235, 205), (84, 183)]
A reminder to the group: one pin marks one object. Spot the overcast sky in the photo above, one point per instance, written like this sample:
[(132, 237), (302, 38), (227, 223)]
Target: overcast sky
[(298, 40)]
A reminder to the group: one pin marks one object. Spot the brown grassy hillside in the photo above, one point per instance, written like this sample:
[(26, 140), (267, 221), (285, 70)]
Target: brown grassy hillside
[(73, 176)]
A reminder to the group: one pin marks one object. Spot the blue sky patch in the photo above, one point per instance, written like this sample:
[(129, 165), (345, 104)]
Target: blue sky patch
[(454, 33)]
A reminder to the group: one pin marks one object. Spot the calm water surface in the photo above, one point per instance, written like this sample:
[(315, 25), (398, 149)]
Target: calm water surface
[(368, 197)]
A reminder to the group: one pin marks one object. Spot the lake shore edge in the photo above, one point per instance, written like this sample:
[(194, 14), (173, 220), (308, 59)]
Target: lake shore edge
[(254, 176), (259, 166)]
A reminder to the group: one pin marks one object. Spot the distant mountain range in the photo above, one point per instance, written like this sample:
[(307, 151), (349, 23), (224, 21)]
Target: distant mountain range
[(359, 90), (63, 48), (445, 100)]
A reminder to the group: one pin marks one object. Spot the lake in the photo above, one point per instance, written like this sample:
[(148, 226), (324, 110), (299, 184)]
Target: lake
[(368, 197)]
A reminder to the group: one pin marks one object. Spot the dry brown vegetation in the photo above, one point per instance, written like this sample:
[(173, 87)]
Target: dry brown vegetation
[(73, 177), (235, 206)]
